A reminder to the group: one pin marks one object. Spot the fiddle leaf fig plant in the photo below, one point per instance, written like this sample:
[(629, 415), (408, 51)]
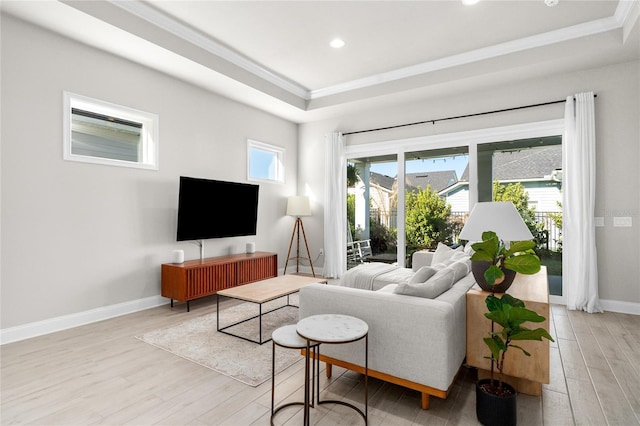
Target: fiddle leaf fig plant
[(518, 257), (510, 313)]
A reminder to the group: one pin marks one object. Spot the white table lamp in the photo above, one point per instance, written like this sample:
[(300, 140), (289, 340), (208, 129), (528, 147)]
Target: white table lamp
[(500, 217)]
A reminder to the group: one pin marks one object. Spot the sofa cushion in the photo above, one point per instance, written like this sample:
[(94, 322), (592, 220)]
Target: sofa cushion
[(423, 274), (442, 279), (440, 282), (444, 253)]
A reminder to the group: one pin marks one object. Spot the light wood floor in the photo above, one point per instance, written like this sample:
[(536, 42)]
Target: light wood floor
[(101, 374)]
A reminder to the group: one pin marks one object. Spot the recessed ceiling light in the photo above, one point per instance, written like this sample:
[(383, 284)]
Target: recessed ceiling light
[(336, 43), (469, 2)]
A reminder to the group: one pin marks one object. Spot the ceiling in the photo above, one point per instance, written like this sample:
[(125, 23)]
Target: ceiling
[(275, 55)]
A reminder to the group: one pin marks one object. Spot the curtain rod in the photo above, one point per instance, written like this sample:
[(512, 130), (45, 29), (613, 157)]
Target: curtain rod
[(457, 117)]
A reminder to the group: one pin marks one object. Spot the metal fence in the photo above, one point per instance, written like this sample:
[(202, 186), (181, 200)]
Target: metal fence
[(553, 233)]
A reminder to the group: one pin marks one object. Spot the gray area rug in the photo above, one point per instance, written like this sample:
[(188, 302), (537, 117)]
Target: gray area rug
[(198, 340)]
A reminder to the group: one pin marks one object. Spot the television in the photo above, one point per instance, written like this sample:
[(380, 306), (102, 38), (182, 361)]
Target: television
[(216, 209)]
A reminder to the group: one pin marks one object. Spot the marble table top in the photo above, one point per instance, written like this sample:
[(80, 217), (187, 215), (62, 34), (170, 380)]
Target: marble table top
[(332, 328), (287, 337)]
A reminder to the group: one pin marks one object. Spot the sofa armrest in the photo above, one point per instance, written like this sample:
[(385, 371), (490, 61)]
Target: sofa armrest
[(412, 338), (421, 258)]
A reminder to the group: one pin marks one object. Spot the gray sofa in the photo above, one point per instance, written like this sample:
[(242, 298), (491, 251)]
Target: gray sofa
[(415, 342)]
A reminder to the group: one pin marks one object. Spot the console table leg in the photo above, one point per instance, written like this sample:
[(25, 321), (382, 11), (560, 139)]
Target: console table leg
[(188, 306), (172, 303)]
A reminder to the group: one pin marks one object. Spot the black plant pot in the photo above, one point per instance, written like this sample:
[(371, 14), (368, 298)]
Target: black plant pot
[(478, 267), (494, 410)]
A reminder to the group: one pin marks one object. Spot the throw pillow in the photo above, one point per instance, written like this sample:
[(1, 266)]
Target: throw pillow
[(460, 269), (443, 254), (468, 249), (422, 274), (440, 282)]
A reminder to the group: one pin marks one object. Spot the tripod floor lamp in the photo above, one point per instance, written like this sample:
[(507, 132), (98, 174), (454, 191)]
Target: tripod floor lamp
[(298, 206)]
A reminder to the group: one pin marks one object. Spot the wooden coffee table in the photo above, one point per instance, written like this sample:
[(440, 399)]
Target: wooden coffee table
[(261, 292)]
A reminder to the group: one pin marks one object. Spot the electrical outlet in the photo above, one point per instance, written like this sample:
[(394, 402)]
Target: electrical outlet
[(622, 221), (321, 252)]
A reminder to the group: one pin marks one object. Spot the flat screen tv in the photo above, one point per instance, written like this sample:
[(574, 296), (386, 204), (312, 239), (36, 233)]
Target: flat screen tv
[(216, 209)]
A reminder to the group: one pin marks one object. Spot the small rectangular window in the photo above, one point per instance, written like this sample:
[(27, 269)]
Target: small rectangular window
[(104, 133), (265, 162)]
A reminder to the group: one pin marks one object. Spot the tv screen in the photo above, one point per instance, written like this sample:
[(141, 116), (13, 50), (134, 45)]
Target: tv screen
[(216, 209)]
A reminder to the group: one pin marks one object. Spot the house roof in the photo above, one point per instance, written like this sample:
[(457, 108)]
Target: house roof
[(437, 180), (528, 163), (381, 180)]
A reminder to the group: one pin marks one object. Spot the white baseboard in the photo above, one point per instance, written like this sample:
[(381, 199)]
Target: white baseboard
[(39, 328), (618, 306)]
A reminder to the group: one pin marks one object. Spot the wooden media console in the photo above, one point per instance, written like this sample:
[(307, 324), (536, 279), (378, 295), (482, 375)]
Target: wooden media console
[(199, 278)]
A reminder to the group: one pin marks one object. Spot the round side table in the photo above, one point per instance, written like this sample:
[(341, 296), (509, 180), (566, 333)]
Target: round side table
[(287, 337), (334, 329)]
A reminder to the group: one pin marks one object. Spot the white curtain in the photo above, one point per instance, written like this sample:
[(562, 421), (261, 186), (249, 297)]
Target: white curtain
[(335, 207), (579, 256)]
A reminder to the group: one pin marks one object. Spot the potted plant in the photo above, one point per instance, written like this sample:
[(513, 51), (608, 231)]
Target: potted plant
[(494, 265), (495, 399)]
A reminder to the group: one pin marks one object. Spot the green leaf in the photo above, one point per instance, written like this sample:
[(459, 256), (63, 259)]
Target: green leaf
[(522, 349), (500, 316), (495, 345), (510, 300), (493, 303), (525, 264), (493, 274), (480, 255), (520, 246), (537, 334), (489, 245), (489, 235), (521, 314)]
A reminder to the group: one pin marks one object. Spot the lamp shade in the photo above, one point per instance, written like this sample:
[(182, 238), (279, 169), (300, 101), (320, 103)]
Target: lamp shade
[(500, 217), (298, 206)]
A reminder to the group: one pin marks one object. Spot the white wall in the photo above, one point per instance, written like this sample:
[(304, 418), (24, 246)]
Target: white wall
[(618, 151), (77, 237)]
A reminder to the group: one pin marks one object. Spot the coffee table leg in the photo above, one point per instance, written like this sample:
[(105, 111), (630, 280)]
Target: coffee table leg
[(260, 324)]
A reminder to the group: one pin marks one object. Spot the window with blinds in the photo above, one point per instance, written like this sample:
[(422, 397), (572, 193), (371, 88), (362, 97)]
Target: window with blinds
[(104, 133)]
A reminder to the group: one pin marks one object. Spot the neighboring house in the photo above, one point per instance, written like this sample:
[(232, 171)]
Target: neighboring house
[(539, 170), (436, 180), (381, 194)]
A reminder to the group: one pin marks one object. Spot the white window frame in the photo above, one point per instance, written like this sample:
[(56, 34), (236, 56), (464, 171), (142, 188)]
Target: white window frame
[(149, 131), (471, 139), (278, 153)]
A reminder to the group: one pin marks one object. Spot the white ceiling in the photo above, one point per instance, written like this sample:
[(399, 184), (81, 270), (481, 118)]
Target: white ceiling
[(275, 55)]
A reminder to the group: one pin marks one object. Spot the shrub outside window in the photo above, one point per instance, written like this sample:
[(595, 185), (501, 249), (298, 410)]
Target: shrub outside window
[(104, 133)]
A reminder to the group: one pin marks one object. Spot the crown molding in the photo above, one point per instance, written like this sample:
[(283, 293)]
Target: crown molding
[(167, 23), (514, 46), (621, 17)]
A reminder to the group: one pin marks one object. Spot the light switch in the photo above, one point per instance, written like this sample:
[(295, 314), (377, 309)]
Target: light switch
[(599, 221), (622, 221)]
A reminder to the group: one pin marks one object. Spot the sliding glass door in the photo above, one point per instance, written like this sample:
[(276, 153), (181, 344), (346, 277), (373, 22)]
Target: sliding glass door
[(436, 197), (528, 172), (372, 198), (409, 195)]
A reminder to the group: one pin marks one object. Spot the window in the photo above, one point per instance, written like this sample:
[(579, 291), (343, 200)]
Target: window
[(265, 162), (104, 133)]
